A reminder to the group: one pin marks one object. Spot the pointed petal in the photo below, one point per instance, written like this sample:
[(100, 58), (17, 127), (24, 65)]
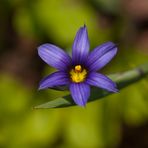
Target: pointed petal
[(101, 55), (54, 56), (58, 78), (80, 93), (99, 80), (80, 47)]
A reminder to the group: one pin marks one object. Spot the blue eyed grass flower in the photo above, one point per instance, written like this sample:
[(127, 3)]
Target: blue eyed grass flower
[(78, 72)]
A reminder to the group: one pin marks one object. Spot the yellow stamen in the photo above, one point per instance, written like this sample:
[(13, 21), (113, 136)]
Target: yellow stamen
[(78, 74), (78, 68)]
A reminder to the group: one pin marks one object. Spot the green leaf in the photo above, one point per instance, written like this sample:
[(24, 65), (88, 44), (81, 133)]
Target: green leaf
[(122, 79)]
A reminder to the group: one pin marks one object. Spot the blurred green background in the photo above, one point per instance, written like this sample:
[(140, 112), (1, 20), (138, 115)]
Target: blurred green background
[(117, 121)]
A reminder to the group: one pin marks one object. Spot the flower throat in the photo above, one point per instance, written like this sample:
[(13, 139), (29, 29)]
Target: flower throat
[(78, 74)]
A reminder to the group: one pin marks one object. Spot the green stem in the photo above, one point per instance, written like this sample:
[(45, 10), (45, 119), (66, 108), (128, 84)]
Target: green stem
[(122, 79)]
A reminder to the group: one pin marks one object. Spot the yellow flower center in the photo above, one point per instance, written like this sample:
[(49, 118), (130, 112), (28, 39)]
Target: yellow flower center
[(78, 74)]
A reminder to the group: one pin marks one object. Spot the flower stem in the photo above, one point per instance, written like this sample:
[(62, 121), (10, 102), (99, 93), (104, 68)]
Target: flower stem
[(123, 79)]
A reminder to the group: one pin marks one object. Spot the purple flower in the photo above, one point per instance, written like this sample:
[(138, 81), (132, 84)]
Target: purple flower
[(80, 71)]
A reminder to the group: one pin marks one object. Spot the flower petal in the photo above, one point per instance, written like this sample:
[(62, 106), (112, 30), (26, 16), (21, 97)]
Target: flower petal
[(80, 47), (58, 78), (99, 80), (54, 56), (80, 93), (101, 55)]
